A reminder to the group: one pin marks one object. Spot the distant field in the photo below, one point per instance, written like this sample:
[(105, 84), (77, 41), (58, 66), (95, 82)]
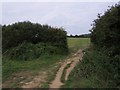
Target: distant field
[(76, 43)]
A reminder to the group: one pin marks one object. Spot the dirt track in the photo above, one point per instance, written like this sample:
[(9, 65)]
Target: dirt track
[(37, 81), (56, 83)]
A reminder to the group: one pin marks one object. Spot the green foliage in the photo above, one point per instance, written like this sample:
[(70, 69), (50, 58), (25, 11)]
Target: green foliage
[(96, 70), (27, 41), (106, 30), (75, 80), (100, 67), (96, 63), (16, 34), (102, 61), (29, 51), (106, 37)]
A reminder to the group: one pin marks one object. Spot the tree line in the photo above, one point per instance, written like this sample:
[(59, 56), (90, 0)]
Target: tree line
[(79, 36)]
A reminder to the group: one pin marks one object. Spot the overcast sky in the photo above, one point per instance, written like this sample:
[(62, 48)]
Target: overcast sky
[(75, 17)]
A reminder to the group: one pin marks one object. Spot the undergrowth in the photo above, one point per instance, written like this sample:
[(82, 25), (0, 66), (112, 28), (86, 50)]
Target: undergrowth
[(29, 51), (97, 70)]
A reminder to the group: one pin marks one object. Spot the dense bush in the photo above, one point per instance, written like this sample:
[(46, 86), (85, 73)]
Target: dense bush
[(104, 69), (26, 41), (106, 31), (102, 61), (16, 34)]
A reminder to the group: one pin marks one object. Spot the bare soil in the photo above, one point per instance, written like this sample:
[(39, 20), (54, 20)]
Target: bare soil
[(25, 79), (36, 81), (56, 83)]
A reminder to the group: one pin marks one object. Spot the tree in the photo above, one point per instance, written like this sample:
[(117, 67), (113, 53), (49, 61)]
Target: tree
[(106, 29), (20, 32), (105, 35)]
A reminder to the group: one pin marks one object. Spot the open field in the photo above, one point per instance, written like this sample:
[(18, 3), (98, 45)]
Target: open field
[(75, 44), (13, 69)]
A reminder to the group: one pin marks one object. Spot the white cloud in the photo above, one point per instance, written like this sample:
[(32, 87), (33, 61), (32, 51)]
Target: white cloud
[(74, 17)]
